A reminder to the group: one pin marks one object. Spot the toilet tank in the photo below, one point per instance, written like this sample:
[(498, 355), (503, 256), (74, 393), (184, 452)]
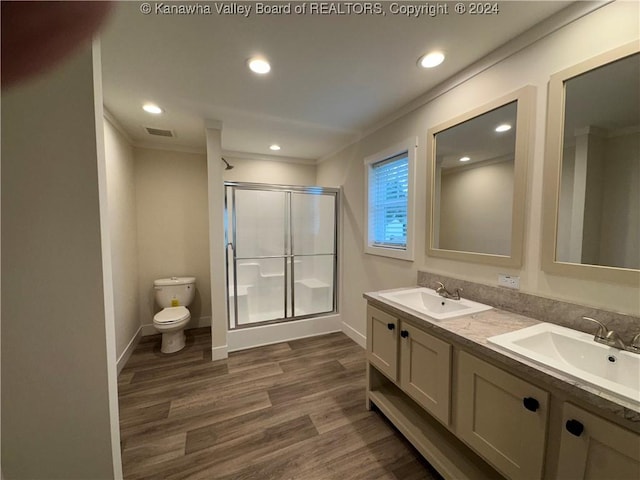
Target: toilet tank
[(174, 291)]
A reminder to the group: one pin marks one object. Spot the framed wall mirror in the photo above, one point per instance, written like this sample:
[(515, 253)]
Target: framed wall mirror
[(478, 167), (592, 169)]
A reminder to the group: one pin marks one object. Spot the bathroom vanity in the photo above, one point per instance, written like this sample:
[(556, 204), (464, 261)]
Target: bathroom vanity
[(474, 411)]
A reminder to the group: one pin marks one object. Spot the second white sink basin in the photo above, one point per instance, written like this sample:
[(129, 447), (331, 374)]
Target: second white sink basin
[(428, 302), (577, 355)]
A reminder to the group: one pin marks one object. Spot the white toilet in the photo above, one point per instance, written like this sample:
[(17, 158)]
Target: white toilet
[(173, 295)]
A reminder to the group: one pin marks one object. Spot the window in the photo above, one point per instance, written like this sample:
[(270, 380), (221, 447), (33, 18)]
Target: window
[(389, 216), (388, 195)]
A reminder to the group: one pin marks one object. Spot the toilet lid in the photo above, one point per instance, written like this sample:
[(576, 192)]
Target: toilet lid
[(171, 315)]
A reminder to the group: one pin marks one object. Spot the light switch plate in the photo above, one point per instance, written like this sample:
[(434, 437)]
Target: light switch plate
[(509, 281)]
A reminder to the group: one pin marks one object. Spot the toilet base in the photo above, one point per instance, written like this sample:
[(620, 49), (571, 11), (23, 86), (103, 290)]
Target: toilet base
[(172, 342)]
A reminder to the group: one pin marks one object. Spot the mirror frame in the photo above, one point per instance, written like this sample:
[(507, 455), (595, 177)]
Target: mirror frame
[(525, 97), (552, 174)]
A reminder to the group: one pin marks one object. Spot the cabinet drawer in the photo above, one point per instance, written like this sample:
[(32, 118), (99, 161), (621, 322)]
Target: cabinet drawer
[(502, 417), (425, 370), (594, 448), (382, 342)]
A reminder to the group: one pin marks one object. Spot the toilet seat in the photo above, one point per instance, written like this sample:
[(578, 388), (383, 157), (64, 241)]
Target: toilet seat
[(171, 315)]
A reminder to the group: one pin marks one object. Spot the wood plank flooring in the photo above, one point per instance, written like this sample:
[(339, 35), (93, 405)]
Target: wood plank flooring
[(295, 410)]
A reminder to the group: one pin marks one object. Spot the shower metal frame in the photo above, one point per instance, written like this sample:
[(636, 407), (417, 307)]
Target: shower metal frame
[(288, 243)]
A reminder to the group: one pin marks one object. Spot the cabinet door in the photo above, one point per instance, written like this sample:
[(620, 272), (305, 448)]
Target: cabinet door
[(594, 448), (382, 342), (425, 370), (502, 417)]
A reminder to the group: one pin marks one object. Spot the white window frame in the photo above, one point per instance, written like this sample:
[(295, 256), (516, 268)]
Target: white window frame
[(409, 145)]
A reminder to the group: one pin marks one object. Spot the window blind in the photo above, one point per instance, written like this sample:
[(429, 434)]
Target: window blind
[(388, 202)]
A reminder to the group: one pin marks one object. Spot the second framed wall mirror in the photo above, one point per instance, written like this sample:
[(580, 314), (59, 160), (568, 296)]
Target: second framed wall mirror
[(592, 169), (478, 166)]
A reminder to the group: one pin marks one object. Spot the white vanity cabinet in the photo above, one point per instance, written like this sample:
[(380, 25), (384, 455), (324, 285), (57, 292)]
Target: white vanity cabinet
[(473, 419), (382, 342), (424, 361), (502, 417), (425, 370), (592, 448), (409, 380)]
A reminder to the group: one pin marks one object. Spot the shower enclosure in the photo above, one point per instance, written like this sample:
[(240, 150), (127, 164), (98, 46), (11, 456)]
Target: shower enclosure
[(281, 252)]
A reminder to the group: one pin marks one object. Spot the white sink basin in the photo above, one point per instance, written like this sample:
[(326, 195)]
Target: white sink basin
[(577, 355), (427, 302)]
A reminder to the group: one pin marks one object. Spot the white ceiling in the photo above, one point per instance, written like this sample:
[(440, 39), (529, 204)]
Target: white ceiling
[(477, 139), (607, 98), (332, 76)]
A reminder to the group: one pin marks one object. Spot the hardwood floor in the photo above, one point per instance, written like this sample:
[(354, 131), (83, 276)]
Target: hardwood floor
[(294, 410)]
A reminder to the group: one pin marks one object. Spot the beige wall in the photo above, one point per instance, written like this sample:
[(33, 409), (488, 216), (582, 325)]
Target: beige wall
[(475, 208), (362, 272), (262, 171), (58, 360), (616, 24), (608, 175), (592, 218), (620, 237), (565, 205), (121, 199), (173, 237)]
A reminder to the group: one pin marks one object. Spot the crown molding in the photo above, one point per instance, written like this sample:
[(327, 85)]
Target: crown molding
[(267, 158)]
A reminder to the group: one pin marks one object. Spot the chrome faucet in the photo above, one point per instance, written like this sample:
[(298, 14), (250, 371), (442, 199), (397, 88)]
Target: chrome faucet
[(614, 340), (443, 292), (601, 334), (635, 344), (611, 338)]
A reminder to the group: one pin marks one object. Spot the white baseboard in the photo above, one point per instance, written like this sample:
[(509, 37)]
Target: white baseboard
[(219, 353), (122, 361), (354, 335), (149, 329), (281, 332)]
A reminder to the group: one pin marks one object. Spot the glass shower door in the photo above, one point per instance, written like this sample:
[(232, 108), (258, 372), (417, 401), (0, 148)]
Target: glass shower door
[(259, 241), (313, 233), (281, 252)]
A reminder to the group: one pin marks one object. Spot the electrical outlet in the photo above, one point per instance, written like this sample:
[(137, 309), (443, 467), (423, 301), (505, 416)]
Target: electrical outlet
[(509, 281)]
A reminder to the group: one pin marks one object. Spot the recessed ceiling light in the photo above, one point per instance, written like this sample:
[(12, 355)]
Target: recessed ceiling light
[(465, 159), (259, 65), (275, 147), (431, 60), (503, 128), (152, 108)]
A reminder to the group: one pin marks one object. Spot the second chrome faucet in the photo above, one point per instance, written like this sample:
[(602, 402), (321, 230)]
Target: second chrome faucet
[(612, 339), (443, 292)]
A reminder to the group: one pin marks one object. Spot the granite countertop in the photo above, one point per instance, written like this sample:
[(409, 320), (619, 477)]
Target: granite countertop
[(472, 332)]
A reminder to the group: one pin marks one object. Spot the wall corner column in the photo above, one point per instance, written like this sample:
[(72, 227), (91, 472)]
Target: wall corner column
[(217, 259)]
